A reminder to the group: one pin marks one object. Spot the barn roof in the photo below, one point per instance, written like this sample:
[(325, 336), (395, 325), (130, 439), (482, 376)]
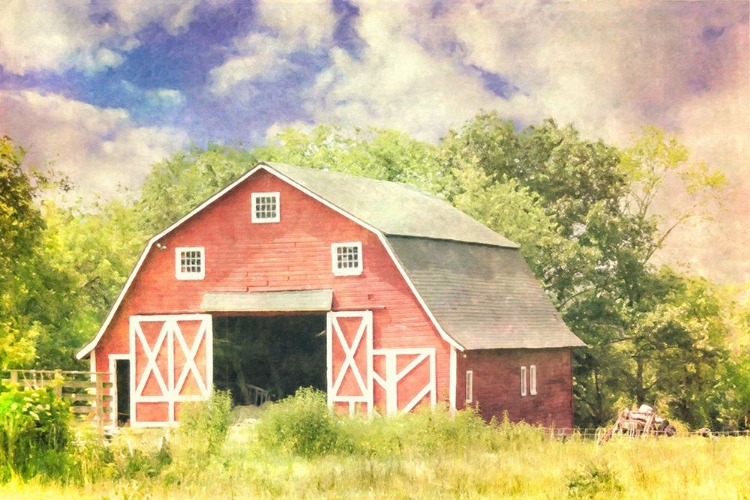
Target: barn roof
[(393, 207), (472, 282), (485, 297)]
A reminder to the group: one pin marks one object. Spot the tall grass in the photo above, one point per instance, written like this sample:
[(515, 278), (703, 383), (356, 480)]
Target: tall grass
[(301, 450)]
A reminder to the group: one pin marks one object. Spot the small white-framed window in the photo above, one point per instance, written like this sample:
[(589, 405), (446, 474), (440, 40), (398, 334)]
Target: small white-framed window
[(266, 207), (190, 263), (470, 386), (532, 380), (346, 259), (523, 381)]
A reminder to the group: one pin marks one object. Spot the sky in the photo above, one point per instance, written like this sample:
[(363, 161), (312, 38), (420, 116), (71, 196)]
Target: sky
[(102, 89)]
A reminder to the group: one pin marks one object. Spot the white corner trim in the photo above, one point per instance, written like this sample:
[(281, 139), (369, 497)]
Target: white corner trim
[(452, 377)]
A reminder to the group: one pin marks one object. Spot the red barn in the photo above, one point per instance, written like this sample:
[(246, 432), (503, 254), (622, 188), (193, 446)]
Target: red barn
[(382, 295)]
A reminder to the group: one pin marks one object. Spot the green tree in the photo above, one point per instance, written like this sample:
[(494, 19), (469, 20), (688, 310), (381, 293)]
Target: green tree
[(592, 239), (21, 227)]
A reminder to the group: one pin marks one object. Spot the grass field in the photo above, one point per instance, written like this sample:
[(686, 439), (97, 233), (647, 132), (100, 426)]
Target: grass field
[(428, 455)]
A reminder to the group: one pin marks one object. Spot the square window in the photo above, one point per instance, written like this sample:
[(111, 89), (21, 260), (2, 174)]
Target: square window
[(523, 381), (532, 380), (189, 263), (346, 259), (470, 386), (265, 207)]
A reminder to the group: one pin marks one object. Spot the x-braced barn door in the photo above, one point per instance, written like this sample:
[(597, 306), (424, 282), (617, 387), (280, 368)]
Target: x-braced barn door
[(172, 362), (350, 359), (407, 377)]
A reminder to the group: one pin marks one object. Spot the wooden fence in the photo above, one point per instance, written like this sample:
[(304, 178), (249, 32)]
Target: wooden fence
[(88, 393)]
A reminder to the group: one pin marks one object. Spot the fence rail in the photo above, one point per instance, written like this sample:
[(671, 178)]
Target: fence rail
[(88, 393), (596, 434)]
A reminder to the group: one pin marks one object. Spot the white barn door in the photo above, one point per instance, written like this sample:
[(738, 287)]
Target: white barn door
[(172, 362), (349, 364), (407, 376)]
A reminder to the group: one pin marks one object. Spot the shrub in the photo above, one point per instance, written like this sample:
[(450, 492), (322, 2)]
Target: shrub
[(594, 481), (204, 424), (301, 424), (34, 432)]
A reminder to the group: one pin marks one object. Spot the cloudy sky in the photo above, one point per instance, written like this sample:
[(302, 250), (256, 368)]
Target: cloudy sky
[(101, 89)]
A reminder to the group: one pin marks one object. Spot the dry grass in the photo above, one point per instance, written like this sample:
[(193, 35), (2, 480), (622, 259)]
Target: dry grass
[(501, 462)]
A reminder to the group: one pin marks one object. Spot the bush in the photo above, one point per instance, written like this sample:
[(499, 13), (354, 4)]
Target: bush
[(301, 424), (594, 481), (204, 424), (34, 432)]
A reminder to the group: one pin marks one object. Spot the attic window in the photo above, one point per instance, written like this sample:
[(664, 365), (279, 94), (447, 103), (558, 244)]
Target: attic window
[(265, 207), (346, 259), (190, 263)]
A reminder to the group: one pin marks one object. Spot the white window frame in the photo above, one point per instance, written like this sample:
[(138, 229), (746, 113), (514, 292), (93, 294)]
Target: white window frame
[(349, 271), (264, 220), (469, 386), (523, 381), (532, 380), (184, 275)]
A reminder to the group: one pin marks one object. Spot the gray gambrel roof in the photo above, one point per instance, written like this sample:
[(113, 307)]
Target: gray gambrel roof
[(392, 207), (475, 282)]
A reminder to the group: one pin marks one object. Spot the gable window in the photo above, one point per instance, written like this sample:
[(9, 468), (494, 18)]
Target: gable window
[(470, 386), (190, 263), (523, 381), (346, 259), (265, 207), (532, 380)]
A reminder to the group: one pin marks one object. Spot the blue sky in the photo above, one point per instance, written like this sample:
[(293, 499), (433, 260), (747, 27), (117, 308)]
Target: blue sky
[(102, 89)]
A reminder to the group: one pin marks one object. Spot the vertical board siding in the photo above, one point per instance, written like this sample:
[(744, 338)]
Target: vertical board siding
[(293, 254), (497, 385)]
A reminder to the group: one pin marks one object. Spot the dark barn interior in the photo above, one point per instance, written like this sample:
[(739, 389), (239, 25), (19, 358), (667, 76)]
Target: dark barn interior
[(261, 358)]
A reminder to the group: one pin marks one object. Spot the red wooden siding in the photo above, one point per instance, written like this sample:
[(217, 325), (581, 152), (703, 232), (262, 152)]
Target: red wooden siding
[(294, 254), (497, 385)]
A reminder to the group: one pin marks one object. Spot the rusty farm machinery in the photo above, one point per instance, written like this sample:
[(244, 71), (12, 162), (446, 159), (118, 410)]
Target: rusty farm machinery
[(642, 422)]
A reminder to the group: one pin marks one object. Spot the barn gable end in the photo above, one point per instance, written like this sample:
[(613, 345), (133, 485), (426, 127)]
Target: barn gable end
[(286, 240)]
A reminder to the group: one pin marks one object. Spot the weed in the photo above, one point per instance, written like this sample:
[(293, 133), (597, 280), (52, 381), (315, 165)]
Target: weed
[(34, 433), (302, 424), (594, 480)]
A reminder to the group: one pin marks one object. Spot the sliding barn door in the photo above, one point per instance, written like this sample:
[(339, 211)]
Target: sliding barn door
[(172, 362), (349, 364)]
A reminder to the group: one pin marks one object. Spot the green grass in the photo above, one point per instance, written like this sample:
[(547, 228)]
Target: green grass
[(426, 455)]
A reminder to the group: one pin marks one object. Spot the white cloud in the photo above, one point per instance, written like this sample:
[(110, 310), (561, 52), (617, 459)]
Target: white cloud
[(263, 58), (607, 68), (395, 82), (98, 149), (303, 23), (287, 27), (57, 35)]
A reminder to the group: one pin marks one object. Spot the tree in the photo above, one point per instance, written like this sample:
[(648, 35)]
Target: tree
[(21, 228), (591, 242)]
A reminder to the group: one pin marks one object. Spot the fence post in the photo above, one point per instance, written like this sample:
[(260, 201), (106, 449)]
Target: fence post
[(14, 377), (99, 401), (58, 388)]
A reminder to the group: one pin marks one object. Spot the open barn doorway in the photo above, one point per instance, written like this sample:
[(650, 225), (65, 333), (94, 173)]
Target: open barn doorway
[(262, 358)]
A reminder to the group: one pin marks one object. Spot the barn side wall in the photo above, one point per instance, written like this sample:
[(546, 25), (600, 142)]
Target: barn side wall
[(294, 254), (497, 385)]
